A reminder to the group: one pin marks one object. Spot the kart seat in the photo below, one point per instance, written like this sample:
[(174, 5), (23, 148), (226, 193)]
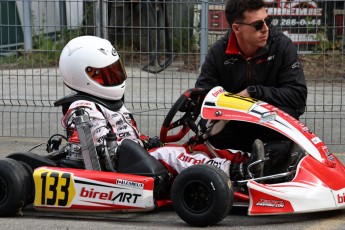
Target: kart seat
[(134, 159)]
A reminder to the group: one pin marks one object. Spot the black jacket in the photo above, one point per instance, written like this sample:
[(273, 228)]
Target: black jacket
[(274, 70)]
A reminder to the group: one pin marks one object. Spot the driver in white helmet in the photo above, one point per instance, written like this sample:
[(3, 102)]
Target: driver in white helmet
[(91, 66)]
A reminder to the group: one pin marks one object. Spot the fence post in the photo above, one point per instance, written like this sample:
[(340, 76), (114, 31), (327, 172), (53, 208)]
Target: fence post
[(98, 13), (204, 30), (104, 17), (62, 11), (27, 25)]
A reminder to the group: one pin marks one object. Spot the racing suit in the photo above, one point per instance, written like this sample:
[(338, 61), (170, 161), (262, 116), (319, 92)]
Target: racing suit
[(273, 73), (121, 122)]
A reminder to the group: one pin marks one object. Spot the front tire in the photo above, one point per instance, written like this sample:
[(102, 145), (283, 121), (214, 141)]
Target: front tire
[(202, 195), (13, 189)]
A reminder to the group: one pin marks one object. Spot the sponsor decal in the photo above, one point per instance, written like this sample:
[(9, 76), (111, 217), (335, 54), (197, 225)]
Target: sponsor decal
[(215, 163), (121, 128), (305, 129), (240, 117), (230, 61), (329, 155), (126, 197), (83, 103), (103, 51), (189, 159), (271, 203), (316, 140), (95, 194), (217, 92), (270, 58), (341, 198), (296, 65), (129, 183), (123, 197), (123, 135), (268, 116), (114, 52)]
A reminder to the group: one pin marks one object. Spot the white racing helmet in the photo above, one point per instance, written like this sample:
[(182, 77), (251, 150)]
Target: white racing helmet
[(92, 65)]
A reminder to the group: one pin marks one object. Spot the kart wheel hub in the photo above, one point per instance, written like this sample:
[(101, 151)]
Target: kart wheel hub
[(196, 196)]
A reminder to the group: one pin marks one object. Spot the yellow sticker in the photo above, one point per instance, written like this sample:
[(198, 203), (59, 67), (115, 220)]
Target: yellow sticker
[(233, 101), (53, 188)]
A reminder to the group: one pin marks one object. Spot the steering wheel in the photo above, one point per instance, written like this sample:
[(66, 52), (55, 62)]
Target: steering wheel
[(189, 103)]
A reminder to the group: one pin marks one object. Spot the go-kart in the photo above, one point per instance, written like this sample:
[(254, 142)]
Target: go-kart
[(313, 180), (81, 177)]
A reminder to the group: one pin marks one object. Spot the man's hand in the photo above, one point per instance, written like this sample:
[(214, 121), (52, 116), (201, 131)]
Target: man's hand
[(244, 93)]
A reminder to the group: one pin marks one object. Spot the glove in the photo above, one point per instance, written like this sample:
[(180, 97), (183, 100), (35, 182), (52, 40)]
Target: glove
[(152, 142)]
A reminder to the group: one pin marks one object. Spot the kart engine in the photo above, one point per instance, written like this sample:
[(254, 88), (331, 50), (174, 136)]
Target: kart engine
[(85, 154), (71, 155), (73, 152)]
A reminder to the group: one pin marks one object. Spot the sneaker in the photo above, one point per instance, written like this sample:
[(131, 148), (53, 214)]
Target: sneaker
[(258, 153)]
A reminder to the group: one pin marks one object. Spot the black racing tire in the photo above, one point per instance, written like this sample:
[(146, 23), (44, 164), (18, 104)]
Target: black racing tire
[(13, 189), (29, 181), (202, 195)]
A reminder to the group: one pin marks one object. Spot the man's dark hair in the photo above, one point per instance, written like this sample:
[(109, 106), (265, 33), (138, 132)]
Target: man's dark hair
[(234, 8)]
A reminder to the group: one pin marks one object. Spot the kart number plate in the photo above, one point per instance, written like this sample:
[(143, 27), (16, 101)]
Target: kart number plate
[(233, 101), (53, 188)]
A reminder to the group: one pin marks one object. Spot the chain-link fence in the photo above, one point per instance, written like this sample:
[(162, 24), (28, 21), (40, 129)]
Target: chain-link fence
[(162, 45)]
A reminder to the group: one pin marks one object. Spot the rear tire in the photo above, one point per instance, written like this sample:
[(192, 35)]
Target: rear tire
[(202, 195), (29, 181), (13, 189)]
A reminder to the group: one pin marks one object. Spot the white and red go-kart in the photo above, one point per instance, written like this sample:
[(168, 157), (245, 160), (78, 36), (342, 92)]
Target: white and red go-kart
[(315, 180), (109, 178), (82, 177)]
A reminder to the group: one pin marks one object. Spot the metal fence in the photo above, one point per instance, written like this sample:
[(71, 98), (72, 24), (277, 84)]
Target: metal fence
[(162, 44)]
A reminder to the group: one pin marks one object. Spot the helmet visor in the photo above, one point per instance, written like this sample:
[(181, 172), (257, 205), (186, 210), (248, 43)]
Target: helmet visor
[(111, 75)]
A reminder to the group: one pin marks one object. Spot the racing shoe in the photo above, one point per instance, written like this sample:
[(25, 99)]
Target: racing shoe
[(258, 153), (240, 172)]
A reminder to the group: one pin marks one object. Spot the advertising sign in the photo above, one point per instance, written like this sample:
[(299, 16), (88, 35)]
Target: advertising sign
[(298, 19)]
